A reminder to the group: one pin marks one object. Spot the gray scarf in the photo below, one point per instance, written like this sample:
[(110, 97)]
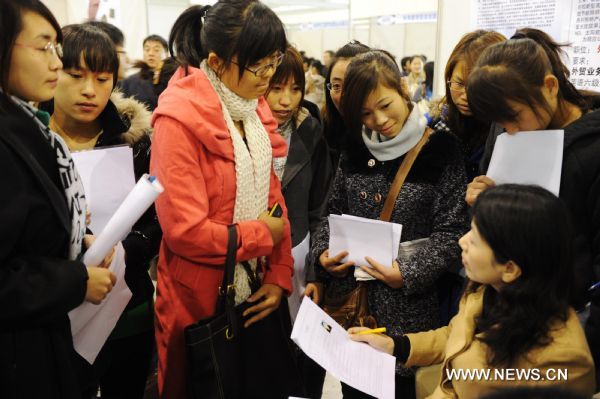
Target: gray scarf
[(384, 149)]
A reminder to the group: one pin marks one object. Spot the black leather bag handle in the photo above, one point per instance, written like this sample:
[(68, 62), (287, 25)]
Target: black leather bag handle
[(226, 298)]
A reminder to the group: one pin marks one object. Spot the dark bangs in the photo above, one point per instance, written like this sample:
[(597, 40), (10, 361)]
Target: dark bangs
[(510, 71), (291, 67), (96, 47), (363, 75), (261, 35)]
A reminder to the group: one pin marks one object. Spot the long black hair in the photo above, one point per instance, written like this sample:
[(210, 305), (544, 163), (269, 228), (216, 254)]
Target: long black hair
[(11, 24), (334, 126), (514, 71), (247, 29), (531, 227)]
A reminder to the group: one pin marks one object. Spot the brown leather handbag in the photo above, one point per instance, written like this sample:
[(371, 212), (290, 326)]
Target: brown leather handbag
[(352, 309)]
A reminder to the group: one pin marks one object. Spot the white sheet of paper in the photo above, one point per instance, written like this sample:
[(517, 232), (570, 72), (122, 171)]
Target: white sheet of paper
[(528, 158), (108, 176), (354, 363), (92, 324), (144, 193), (361, 275), (299, 253), (363, 237)]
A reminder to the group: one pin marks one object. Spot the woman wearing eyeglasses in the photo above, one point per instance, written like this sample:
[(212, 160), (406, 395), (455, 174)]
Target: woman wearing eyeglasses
[(213, 148), (453, 113), (333, 123), (43, 211)]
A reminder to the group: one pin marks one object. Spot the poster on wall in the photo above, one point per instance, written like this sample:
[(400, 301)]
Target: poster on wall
[(584, 52), (105, 10), (506, 16), (576, 22)]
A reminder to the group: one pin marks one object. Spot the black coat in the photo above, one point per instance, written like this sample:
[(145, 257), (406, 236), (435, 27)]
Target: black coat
[(430, 205), (38, 286), (306, 180), (126, 121), (580, 190), (141, 89)]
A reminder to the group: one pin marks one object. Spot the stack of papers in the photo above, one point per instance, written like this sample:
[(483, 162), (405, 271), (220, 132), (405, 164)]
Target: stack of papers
[(528, 158), (354, 363), (363, 237)]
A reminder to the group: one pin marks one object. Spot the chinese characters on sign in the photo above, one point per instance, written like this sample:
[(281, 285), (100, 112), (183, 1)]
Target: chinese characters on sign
[(576, 22), (584, 53), (506, 16)]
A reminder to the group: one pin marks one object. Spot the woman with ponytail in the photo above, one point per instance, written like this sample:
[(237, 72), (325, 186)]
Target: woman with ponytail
[(213, 148), (523, 85)]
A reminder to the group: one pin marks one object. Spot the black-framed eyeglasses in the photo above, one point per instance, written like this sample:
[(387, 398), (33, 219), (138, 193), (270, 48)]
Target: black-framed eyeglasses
[(456, 86), (334, 87), (49, 48), (263, 70)]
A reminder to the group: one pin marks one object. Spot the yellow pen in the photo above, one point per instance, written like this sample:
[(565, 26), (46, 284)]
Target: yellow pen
[(372, 331)]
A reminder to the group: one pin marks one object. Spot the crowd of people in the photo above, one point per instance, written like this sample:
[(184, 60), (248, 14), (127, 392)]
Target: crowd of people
[(236, 123)]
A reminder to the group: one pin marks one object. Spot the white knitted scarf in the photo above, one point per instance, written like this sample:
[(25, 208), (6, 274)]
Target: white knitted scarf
[(252, 164)]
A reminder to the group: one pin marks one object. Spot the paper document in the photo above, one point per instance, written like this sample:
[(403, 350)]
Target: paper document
[(107, 175), (133, 207), (354, 363), (299, 253), (363, 237), (92, 324), (528, 158)]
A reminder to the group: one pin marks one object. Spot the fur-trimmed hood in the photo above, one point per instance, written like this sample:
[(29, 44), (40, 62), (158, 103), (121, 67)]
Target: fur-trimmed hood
[(438, 109), (124, 120), (134, 115)]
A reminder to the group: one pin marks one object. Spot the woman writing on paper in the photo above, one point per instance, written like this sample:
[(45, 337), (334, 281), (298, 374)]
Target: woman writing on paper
[(214, 143), (523, 85), (87, 113), (42, 208), (384, 127), (519, 246)]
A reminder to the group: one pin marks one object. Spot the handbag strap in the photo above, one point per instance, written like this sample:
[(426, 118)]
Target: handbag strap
[(407, 163), (226, 298)]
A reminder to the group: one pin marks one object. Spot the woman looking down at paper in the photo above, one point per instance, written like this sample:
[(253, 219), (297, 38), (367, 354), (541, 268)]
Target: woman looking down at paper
[(42, 213), (213, 148), (305, 173), (385, 126), (523, 85), (87, 113), (518, 247)]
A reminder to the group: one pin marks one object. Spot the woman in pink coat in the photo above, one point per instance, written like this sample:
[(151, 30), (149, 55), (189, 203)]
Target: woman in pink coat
[(214, 139)]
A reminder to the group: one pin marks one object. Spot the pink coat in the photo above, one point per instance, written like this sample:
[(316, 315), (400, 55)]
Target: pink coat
[(192, 156)]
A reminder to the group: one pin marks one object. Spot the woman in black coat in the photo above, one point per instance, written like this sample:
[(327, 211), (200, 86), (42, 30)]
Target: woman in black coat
[(305, 174), (42, 208), (90, 70), (385, 126)]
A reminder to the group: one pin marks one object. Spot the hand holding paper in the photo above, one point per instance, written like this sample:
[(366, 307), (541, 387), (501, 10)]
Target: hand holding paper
[(137, 202), (360, 238), (354, 363), (528, 158), (100, 282), (92, 323), (389, 275), (334, 265)]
